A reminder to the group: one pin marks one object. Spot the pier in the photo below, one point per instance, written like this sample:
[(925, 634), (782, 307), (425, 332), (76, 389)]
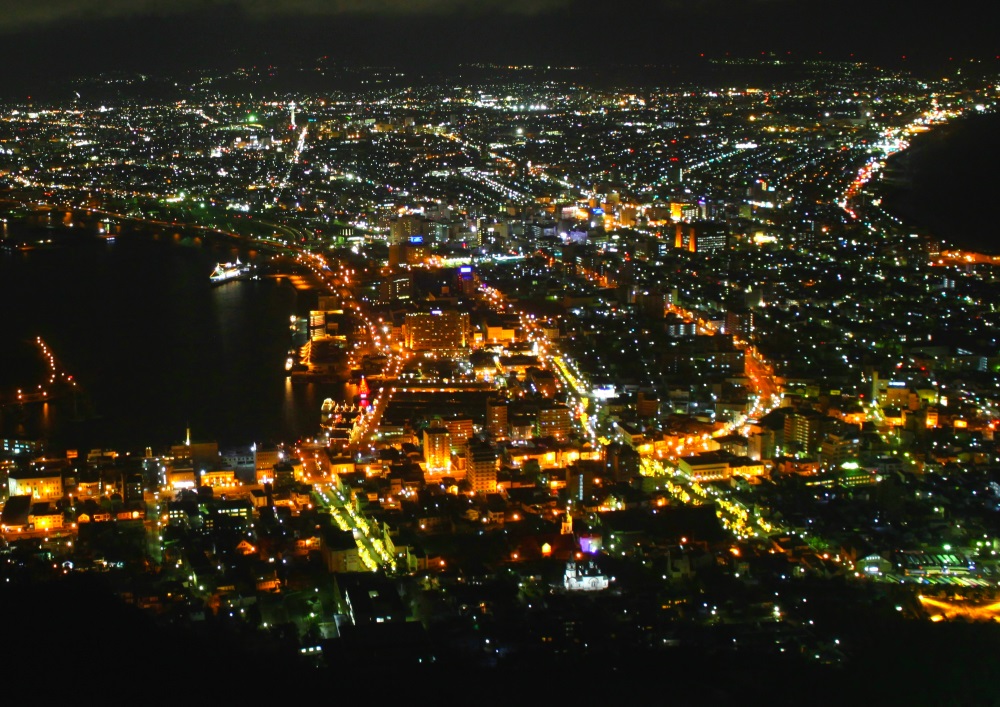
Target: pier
[(57, 383)]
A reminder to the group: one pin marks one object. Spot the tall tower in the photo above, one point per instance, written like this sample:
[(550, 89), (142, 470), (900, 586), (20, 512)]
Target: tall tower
[(291, 107)]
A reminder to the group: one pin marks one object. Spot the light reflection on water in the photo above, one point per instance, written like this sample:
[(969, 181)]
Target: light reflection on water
[(153, 345)]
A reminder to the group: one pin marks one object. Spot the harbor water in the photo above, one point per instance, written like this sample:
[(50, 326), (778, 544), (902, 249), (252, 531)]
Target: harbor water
[(155, 348)]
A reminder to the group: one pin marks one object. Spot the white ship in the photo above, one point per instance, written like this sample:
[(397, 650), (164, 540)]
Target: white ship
[(224, 272)]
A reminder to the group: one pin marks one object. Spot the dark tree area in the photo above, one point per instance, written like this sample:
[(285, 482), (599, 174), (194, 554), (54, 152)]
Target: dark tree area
[(102, 642)]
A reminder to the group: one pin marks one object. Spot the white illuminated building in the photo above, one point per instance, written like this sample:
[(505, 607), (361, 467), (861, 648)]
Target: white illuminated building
[(584, 577)]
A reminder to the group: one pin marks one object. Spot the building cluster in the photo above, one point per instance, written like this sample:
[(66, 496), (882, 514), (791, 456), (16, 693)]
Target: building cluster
[(652, 364)]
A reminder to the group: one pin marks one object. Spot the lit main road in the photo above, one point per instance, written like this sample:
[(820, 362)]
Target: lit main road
[(743, 521), (765, 393), (573, 382), (376, 339), (371, 549)]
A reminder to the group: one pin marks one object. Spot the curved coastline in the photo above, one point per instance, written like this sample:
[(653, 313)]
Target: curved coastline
[(937, 185)]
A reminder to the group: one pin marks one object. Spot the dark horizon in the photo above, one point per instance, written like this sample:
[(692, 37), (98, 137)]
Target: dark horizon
[(585, 33)]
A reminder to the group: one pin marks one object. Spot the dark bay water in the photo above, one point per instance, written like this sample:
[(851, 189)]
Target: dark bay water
[(154, 346), (947, 183)]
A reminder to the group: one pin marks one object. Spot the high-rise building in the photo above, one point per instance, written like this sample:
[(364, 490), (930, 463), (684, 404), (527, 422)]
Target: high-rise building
[(652, 303), (395, 287), (740, 322), (839, 447), (676, 326), (554, 420), (264, 460), (437, 447), (761, 445), (709, 235), (804, 431), (131, 487), (582, 476), (435, 330), (621, 462), (404, 228), (466, 281), (542, 381), (481, 461), (496, 419), (647, 405), (460, 430)]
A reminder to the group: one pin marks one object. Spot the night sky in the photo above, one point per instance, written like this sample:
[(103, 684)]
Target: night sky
[(52, 39)]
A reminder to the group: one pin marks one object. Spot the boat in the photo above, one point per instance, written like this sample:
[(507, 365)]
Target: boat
[(224, 272)]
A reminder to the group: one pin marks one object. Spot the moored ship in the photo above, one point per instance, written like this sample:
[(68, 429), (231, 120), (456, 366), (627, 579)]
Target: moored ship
[(224, 272)]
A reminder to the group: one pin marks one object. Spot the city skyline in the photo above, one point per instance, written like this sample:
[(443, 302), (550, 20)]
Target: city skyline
[(681, 379)]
